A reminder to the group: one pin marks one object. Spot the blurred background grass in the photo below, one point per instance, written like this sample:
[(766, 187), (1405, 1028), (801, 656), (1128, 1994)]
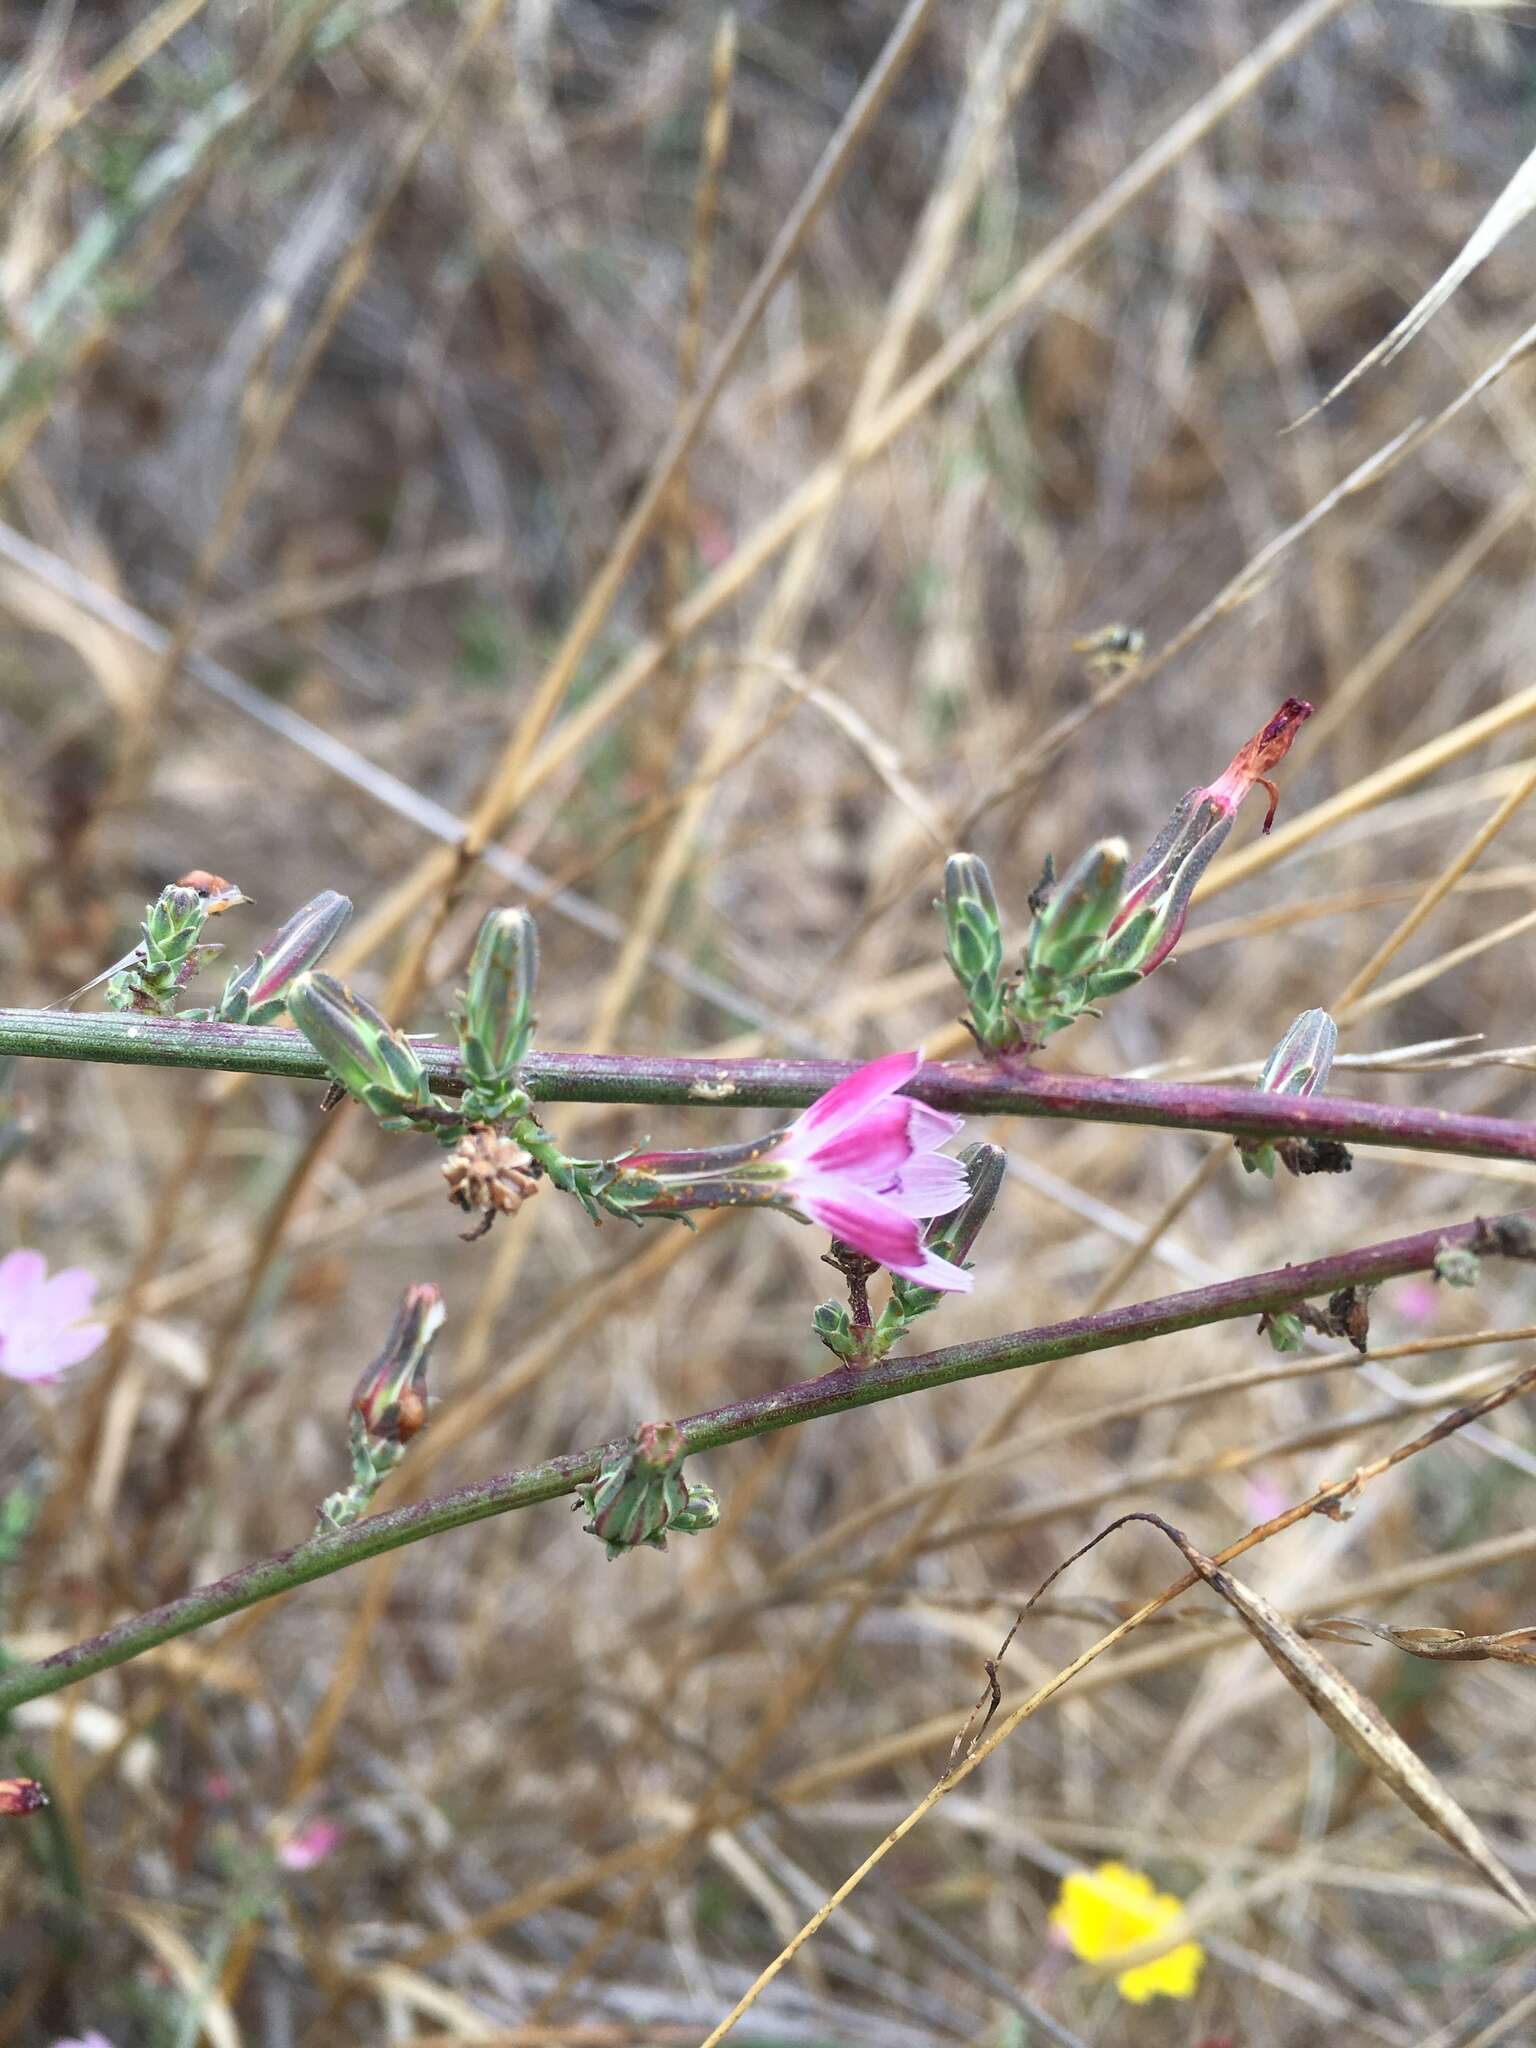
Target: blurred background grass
[(339, 342)]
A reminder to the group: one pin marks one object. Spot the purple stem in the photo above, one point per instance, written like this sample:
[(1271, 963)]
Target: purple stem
[(1003, 1087)]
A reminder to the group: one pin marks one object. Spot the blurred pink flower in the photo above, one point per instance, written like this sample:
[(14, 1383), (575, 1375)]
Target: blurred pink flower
[(41, 1333), (862, 1161), (1417, 1301), (1264, 1498), (310, 1845), (90, 2040)]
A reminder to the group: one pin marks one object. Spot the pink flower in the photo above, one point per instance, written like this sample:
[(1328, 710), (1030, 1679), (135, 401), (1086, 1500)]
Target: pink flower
[(1150, 920), (862, 1161), (41, 1333), (90, 2040), (309, 1845)]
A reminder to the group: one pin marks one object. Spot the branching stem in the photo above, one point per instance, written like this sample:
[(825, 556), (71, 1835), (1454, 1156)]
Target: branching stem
[(785, 1408)]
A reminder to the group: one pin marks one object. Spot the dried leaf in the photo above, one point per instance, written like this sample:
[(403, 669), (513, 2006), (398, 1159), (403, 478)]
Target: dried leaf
[(1446, 1645), (1354, 1719)]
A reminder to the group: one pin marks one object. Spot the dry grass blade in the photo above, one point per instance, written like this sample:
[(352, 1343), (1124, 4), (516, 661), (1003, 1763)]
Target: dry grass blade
[(1345, 1710), (1442, 1645), (1506, 212)]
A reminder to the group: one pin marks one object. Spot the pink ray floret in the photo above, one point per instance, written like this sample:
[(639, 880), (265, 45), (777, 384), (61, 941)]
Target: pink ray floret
[(864, 1163), (41, 1332)]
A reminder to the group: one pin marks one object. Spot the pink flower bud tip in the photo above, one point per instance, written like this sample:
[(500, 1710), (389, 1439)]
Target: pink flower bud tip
[(309, 1845), (21, 1795), (1252, 762)]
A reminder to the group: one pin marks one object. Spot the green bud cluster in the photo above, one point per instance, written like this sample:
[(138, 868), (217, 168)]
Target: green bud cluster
[(167, 957), (640, 1494), (1071, 962)]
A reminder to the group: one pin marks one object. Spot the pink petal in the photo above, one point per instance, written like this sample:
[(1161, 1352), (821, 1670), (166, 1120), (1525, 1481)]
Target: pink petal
[(21, 1276), (870, 1149), (849, 1100), (929, 1128), (930, 1186), (880, 1230), (67, 1297), (70, 1347)]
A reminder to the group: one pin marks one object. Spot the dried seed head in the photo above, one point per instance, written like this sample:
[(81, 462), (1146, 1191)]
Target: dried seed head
[(489, 1173)]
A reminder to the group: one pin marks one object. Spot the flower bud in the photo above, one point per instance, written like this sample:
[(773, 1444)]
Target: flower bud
[(952, 1236), (257, 993), (1300, 1063), (640, 1493), (834, 1326), (495, 1012), (366, 1055), (1068, 932), (974, 935), (389, 1403), (1285, 1330), (701, 1513), (21, 1795)]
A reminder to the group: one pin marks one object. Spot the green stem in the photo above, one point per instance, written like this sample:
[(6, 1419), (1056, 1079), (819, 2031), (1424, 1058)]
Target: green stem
[(848, 1387), (1000, 1087)]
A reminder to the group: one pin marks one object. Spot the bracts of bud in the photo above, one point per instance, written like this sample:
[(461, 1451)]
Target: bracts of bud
[(974, 948), (365, 1054), (389, 1404), (1063, 964), (258, 994), (640, 1494), (1299, 1065), (167, 956), (495, 1014)]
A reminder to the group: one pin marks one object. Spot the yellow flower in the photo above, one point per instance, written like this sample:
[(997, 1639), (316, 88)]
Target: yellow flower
[(1104, 1912)]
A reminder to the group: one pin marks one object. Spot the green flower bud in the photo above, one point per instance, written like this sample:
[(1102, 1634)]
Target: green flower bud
[(1300, 1063), (974, 946), (366, 1055), (640, 1493), (834, 1326), (1068, 934), (495, 1012), (258, 993)]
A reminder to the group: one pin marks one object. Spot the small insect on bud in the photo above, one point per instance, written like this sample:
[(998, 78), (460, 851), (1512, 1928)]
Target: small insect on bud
[(21, 1795), (974, 935), (495, 1012), (390, 1400), (640, 1493), (214, 892), (258, 993), (363, 1052)]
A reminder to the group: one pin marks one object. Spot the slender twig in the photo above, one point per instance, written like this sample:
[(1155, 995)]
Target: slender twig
[(1007, 1087), (785, 1408)]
